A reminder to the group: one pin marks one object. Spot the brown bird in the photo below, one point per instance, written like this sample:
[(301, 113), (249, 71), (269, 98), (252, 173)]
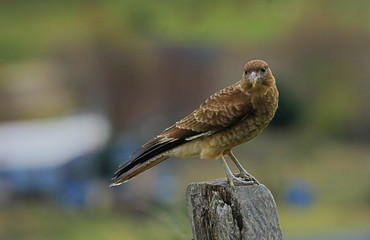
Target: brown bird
[(230, 117)]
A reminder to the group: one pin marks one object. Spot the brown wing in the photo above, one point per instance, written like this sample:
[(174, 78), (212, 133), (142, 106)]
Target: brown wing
[(222, 110)]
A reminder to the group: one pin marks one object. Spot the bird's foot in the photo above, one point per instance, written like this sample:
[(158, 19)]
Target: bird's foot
[(233, 179), (245, 175)]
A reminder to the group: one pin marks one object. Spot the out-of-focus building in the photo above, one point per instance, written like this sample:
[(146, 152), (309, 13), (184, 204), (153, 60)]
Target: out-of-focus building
[(51, 157)]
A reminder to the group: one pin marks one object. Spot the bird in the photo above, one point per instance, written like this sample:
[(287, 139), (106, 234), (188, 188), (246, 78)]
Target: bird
[(228, 118)]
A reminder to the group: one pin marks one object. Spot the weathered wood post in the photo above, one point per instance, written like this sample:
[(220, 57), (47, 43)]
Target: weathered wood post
[(218, 212)]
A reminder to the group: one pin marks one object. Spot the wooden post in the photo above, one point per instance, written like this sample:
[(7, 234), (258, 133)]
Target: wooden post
[(218, 212)]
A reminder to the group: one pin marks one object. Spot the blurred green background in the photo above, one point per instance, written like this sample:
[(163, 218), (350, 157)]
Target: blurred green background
[(84, 83)]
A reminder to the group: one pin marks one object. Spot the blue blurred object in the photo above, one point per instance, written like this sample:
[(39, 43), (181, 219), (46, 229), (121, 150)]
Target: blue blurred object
[(300, 193), (74, 193), (34, 180)]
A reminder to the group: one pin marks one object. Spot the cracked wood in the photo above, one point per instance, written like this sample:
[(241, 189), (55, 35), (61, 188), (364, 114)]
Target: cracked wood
[(218, 212)]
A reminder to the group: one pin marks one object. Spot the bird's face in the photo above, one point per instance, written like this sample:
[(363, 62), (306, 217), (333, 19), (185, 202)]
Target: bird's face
[(256, 74)]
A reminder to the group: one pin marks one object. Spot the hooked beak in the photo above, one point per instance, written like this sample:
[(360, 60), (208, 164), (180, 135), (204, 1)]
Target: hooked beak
[(253, 78), (254, 81)]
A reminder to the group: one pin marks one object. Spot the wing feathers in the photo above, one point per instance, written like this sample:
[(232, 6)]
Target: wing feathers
[(218, 112)]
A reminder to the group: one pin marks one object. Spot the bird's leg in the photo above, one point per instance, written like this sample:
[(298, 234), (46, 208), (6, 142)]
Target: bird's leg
[(243, 173), (230, 176)]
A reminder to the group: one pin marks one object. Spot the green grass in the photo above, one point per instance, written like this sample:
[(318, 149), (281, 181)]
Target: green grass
[(323, 219), (45, 221)]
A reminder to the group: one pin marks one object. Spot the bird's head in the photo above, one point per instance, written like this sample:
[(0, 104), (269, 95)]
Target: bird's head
[(257, 75)]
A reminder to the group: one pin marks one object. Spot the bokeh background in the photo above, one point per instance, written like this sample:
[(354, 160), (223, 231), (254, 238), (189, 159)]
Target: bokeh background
[(84, 83)]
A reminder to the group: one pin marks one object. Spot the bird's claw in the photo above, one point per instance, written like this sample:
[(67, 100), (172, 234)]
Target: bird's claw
[(241, 180), (247, 177), (243, 177)]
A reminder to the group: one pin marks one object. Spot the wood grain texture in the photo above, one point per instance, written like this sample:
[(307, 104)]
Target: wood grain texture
[(218, 212)]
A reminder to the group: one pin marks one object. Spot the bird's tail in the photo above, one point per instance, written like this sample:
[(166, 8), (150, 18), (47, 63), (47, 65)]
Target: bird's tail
[(122, 175), (150, 154)]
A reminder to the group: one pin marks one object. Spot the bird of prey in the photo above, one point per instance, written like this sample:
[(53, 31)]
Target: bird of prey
[(230, 117)]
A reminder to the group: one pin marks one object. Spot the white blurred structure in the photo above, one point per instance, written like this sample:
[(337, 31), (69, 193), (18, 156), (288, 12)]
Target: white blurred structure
[(51, 142)]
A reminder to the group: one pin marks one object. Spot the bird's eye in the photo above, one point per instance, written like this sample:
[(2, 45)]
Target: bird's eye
[(263, 69), (246, 72)]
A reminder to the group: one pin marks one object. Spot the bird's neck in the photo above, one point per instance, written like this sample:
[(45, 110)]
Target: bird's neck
[(266, 102), (260, 89)]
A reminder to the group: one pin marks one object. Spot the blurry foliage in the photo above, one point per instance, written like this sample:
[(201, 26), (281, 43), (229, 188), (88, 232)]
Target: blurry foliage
[(31, 28), (288, 110)]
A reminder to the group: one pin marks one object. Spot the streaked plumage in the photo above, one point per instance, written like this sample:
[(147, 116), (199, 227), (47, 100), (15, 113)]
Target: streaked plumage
[(230, 117)]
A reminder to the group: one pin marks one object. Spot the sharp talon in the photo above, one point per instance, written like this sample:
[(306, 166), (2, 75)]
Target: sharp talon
[(243, 181), (248, 179), (255, 181)]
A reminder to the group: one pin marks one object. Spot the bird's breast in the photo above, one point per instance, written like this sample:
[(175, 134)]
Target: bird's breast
[(265, 107), (213, 146)]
